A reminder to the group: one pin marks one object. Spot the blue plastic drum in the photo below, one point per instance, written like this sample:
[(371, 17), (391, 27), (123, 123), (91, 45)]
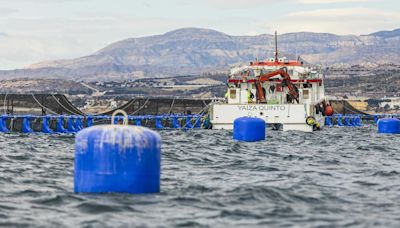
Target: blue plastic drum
[(389, 126), (117, 158), (249, 129)]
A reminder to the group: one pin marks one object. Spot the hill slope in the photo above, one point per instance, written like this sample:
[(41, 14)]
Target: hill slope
[(193, 50)]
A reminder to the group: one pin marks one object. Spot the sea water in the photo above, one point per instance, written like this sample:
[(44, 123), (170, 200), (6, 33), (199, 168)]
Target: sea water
[(333, 177)]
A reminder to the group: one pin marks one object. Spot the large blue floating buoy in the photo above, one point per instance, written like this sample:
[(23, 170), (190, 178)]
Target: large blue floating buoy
[(389, 126), (249, 129), (117, 158)]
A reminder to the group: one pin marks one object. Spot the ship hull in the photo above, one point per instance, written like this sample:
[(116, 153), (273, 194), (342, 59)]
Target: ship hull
[(290, 116)]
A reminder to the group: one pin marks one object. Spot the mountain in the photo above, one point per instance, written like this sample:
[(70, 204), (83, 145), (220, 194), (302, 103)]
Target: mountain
[(193, 51), (387, 34)]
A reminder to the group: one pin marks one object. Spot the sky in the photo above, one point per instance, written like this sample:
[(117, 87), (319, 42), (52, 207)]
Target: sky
[(32, 31)]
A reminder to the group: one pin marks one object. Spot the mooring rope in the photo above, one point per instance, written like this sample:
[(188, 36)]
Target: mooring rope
[(43, 105), (200, 114), (352, 110), (172, 105), (130, 103), (55, 98), (123, 107), (140, 107)]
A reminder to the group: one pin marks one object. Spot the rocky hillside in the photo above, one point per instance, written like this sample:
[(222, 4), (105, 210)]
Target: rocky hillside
[(27, 85), (193, 51)]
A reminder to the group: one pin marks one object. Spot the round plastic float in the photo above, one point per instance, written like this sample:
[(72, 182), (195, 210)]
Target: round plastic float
[(249, 129), (389, 126), (329, 110), (117, 158)]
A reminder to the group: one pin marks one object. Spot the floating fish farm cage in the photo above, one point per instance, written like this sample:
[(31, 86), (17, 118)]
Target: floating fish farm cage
[(54, 113)]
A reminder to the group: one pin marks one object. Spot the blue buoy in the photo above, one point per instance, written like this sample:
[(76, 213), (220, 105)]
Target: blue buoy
[(376, 118), (71, 124), (347, 121), (89, 121), (78, 124), (339, 121), (26, 124), (117, 158), (46, 125), (138, 122), (159, 123), (249, 129), (389, 126), (358, 121), (60, 125), (175, 123), (3, 124), (197, 123), (188, 122), (328, 121)]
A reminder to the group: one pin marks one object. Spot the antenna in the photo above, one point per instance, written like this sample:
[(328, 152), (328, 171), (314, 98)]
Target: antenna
[(276, 46)]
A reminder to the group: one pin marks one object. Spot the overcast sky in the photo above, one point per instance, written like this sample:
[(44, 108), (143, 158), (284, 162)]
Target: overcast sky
[(37, 30)]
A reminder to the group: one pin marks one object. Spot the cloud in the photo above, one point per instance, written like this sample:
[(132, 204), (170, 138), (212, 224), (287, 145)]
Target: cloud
[(239, 4), (7, 11), (339, 21), (43, 1), (62, 38), (330, 1), (246, 4), (22, 50), (59, 29)]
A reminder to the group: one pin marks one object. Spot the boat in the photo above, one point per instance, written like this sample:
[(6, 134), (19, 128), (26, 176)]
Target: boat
[(285, 93)]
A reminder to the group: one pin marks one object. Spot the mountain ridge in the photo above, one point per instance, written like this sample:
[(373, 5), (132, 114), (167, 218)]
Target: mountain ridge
[(188, 51)]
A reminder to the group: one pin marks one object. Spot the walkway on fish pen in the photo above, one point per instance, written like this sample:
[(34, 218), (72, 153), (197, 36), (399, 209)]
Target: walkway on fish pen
[(54, 113)]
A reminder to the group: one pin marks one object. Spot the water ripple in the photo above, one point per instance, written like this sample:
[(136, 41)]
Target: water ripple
[(336, 177)]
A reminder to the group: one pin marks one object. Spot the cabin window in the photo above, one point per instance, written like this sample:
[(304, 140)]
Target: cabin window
[(306, 94), (232, 94)]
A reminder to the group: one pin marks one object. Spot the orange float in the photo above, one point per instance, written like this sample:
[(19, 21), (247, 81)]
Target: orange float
[(328, 110)]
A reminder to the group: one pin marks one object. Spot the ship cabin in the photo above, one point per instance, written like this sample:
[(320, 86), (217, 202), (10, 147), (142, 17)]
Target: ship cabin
[(307, 83)]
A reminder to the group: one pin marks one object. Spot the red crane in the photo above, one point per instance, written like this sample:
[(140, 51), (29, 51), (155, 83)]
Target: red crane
[(286, 81)]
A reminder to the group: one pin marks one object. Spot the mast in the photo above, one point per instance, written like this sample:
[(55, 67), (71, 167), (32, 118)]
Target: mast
[(276, 46)]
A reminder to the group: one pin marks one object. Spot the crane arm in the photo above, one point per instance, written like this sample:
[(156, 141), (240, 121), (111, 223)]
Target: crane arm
[(286, 79)]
